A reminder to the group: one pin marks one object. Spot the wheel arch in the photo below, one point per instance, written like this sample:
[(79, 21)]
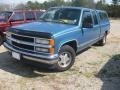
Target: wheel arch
[(72, 43)]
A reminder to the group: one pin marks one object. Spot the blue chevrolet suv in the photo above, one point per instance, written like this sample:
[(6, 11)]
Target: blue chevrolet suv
[(58, 35)]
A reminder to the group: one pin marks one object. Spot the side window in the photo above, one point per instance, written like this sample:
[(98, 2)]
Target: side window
[(103, 16), (87, 20), (95, 18), (17, 17), (30, 16)]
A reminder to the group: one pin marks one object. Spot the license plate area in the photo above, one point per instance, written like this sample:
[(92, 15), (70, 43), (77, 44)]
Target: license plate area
[(16, 55)]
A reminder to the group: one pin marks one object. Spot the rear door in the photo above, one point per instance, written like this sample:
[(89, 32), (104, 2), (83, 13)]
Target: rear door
[(17, 18), (96, 25)]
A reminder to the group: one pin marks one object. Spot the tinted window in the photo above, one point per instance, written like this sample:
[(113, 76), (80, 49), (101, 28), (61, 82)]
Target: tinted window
[(87, 19), (95, 18), (30, 16), (103, 16), (17, 17), (38, 14)]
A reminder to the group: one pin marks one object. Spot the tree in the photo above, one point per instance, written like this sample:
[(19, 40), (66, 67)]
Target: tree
[(115, 2), (20, 7), (4, 7), (83, 3), (99, 5)]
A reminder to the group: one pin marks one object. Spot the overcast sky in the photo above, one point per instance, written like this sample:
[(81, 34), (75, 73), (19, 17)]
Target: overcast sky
[(23, 1)]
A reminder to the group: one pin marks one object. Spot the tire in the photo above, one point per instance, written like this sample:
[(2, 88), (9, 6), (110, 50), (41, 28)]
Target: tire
[(66, 52), (1, 40), (102, 42)]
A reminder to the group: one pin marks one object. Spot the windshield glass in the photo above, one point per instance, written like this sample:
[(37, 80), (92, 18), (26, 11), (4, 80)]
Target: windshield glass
[(4, 16), (62, 15)]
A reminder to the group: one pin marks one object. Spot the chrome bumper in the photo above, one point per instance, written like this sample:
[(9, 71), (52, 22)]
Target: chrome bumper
[(47, 59)]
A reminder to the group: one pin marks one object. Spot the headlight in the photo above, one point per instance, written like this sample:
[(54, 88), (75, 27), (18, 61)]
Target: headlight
[(8, 35), (41, 41), (44, 41)]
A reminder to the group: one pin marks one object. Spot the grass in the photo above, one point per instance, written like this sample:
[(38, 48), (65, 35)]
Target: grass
[(89, 74)]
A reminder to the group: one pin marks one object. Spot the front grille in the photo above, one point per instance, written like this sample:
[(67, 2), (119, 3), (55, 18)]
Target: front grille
[(24, 42), (25, 39), (23, 46), (22, 38)]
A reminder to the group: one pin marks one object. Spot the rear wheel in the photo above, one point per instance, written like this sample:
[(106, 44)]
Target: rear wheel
[(102, 42), (66, 58), (1, 40)]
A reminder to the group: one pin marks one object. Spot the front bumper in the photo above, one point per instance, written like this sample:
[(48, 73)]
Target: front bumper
[(47, 59)]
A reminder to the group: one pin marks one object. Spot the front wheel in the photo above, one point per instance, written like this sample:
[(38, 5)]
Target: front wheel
[(66, 58)]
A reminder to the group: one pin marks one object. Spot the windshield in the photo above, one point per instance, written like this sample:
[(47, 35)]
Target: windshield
[(62, 15), (4, 16)]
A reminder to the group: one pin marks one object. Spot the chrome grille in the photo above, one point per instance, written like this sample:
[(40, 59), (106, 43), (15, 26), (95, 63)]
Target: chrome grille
[(22, 38), (23, 46), (24, 42), (21, 41)]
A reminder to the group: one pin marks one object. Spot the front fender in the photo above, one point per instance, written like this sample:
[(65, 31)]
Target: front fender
[(66, 37)]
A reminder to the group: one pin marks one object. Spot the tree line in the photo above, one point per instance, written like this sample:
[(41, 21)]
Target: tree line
[(112, 9), (52, 3)]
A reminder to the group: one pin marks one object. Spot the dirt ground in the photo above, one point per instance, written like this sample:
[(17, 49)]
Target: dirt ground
[(98, 68)]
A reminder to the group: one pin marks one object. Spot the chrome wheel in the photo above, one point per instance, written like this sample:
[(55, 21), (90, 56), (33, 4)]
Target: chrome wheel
[(64, 59)]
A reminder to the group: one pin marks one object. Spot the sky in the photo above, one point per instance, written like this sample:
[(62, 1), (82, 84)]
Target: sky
[(23, 1)]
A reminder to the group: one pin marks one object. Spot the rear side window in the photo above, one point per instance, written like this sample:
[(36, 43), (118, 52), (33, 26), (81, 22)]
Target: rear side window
[(30, 16), (95, 18), (18, 17), (103, 16)]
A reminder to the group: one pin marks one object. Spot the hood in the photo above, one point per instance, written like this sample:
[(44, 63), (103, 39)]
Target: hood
[(48, 27)]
